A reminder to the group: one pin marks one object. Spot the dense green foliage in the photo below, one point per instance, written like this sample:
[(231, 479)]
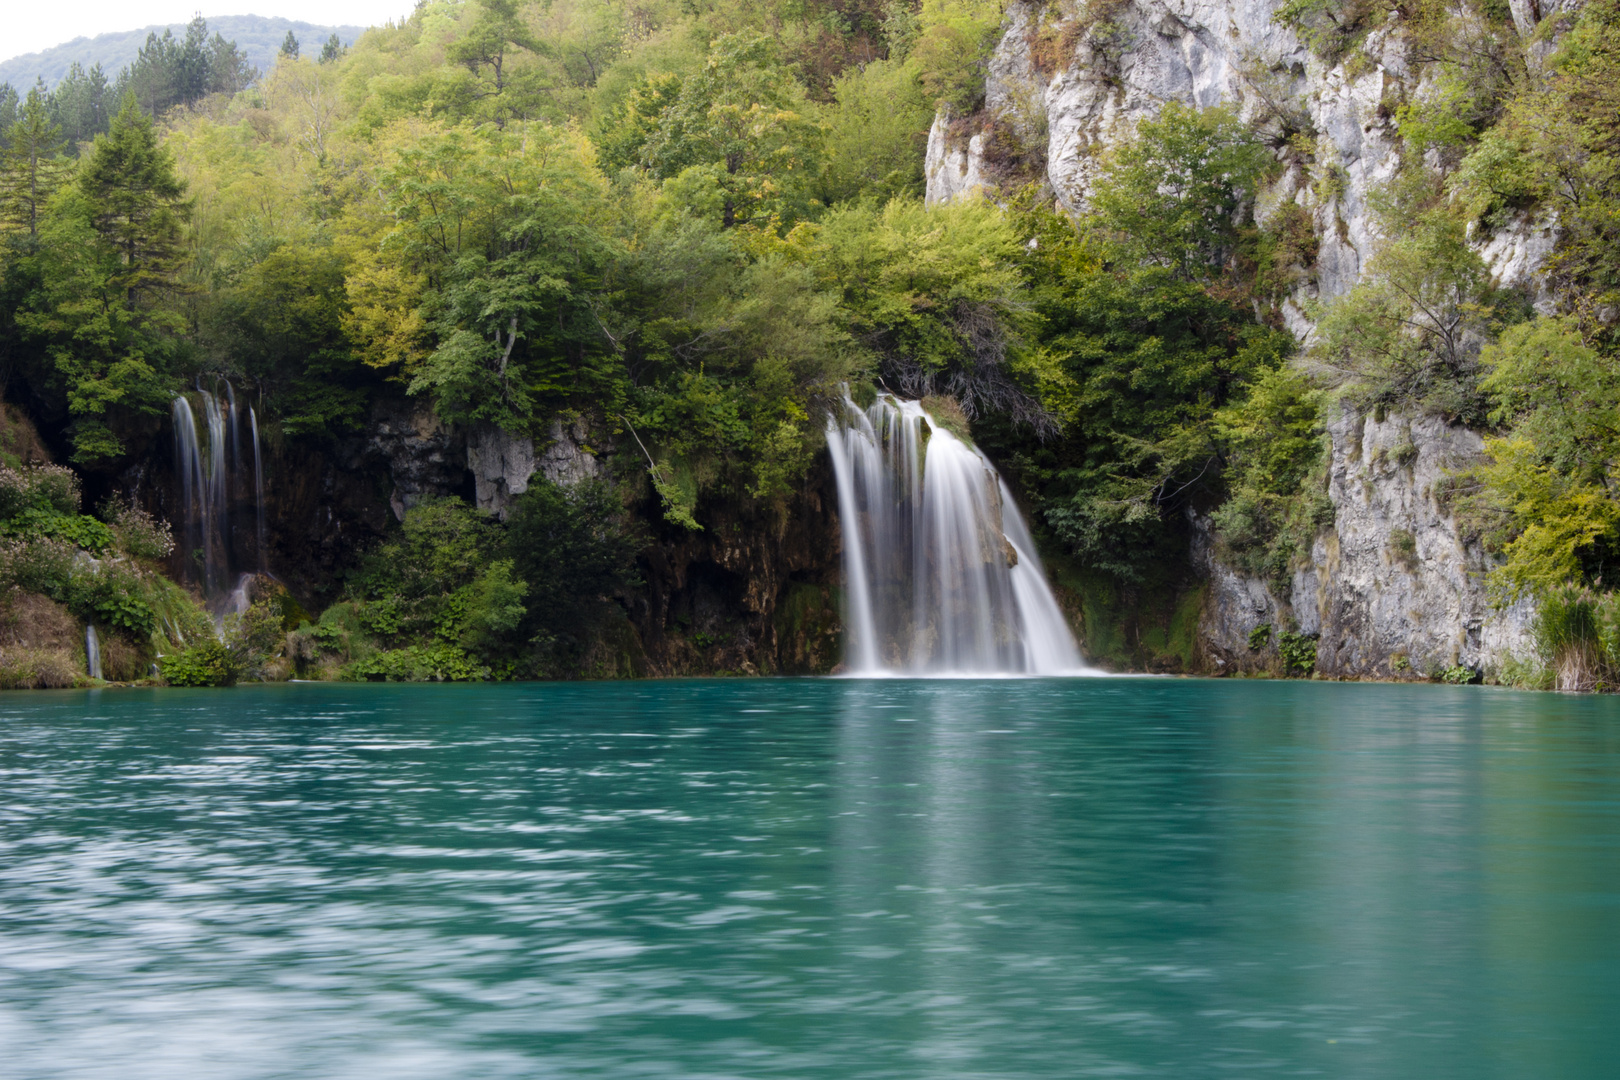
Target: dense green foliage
[(455, 596)]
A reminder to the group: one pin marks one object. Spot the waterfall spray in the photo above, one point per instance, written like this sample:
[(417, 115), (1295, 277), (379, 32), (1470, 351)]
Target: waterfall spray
[(941, 573)]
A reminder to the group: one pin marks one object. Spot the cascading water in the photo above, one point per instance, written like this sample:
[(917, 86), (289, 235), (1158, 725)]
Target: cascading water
[(940, 571), (258, 491), (92, 651), (206, 488)]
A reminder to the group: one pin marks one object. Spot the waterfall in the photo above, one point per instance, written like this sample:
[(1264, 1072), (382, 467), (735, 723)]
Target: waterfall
[(92, 651), (940, 570), (258, 492), (209, 476)]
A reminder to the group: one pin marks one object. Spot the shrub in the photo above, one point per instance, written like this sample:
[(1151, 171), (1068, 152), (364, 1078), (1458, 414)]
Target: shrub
[(1578, 637), (138, 533), (1260, 637), (207, 664), (1298, 652), (255, 637), (110, 594), (572, 549), (80, 530), (37, 669), (1403, 548), (50, 488), (417, 663), (1457, 675), (37, 565)]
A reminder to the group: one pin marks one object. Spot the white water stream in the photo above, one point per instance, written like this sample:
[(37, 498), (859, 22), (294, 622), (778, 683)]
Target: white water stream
[(92, 651), (208, 457), (940, 570)]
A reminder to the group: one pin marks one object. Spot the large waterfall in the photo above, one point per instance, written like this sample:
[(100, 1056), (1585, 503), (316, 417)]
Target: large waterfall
[(210, 463), (940, 572)]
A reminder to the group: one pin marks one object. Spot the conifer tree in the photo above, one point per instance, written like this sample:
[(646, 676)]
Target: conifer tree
[(332, 50), (289, 46), (135, 198), (79, 104), (30, 170), (10, 102)]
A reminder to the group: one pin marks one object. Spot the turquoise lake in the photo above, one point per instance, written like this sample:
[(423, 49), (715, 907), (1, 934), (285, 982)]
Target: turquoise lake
[(810, 879)]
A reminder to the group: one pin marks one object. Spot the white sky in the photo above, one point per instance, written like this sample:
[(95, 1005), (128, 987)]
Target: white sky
[(32, 25)]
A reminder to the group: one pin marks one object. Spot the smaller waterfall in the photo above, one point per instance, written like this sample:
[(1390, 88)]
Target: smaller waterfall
[(208, 457), (258, 492), (92, 651), (941, 572)]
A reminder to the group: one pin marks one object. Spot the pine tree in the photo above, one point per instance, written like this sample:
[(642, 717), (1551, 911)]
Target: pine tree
[(289, 46), (9, 103), (135, 199), (30, 169), (332, 50), (79, 104), (191, 68)]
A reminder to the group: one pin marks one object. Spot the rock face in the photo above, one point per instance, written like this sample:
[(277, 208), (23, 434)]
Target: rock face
[(1393, 589), (503, 464), (1118, 61), (954, 172), (421, 452)]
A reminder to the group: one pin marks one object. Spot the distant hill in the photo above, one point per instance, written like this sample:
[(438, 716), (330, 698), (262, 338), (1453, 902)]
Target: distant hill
[(258, 37)]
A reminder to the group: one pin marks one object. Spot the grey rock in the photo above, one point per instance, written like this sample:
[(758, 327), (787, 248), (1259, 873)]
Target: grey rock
[(1215, 52), (1393, 588), (502, 464), (569, 456), (424, 454)]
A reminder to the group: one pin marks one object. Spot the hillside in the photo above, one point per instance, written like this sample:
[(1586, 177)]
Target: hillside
[(257, 36), (524, 325)]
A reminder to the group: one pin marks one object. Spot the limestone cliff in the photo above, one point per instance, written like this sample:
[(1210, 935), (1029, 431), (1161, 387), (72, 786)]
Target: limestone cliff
[(1068, 78), (1393, 587)]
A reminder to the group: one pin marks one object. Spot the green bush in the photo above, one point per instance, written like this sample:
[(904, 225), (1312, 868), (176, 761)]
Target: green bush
[(207, 664), (80, 530), (52, 489), (1260, 637), (138, 533), (572, 548), (1298, 652), (417, 663), (110, 595)]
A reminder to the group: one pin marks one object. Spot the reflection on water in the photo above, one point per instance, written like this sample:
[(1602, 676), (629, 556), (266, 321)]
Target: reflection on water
[(810, 879)]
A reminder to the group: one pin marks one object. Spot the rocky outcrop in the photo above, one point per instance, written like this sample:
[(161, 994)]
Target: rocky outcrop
[(421, 452), (1394, 588), (502, 464), (955, 167), (1065, 82)]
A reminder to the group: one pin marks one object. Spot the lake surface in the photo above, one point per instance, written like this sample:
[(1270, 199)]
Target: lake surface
[(810, 879)]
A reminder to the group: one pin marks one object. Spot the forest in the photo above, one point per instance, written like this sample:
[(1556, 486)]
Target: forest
[(695, 224)]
